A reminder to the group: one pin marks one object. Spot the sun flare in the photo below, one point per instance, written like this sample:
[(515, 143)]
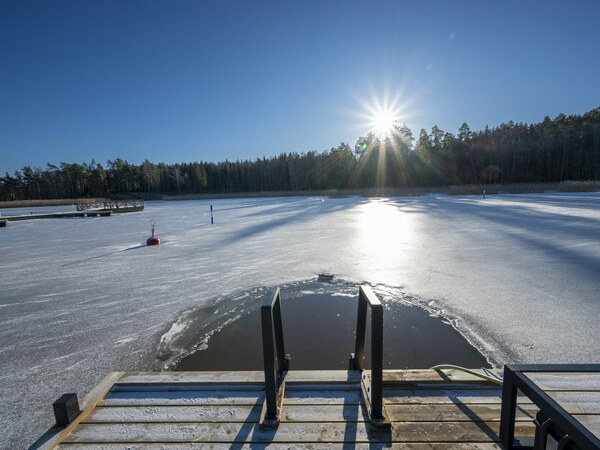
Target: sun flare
[(381, 112), (383, 123), (381, 115)]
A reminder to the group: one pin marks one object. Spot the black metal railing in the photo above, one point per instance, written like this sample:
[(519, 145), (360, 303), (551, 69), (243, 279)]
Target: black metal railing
[(371, 382), (273, 349), (515, 379)]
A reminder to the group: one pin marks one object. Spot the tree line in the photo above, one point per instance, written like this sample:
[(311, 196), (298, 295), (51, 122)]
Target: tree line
[(554, 150)]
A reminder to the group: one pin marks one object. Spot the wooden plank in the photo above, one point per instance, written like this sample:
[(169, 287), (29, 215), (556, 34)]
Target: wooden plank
[(197, 378), (157, 387), (433, 376), (341, 397), (299, 376), (455, 413), (249, 398), (187, 387), (155, 398), (454, 431), (577, 402), (450, 385), (271, 446), (225, 433), (591, 422), (566, 381), (449, 395), (293, 432), (194, 414), (165, 414), (302, 413)]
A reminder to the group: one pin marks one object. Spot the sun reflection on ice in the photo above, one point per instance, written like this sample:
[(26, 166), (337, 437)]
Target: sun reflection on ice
[(384, 231)]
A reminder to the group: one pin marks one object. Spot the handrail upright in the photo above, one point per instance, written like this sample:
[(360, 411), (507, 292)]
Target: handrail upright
[(371, 384), (274, 380)]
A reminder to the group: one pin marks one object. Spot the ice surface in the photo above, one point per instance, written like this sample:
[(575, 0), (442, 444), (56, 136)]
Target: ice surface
[(517, 274)]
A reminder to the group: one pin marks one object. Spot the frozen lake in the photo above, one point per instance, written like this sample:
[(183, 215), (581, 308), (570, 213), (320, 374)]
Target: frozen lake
[(518, 275)]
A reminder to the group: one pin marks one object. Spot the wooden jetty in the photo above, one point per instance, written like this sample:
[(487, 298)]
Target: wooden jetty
[(116, 206), (551, 406), (102, 209), (60, 215), (427, 409)]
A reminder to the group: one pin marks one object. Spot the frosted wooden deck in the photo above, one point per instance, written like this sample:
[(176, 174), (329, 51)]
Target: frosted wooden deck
[(322, 409), (578, 393)]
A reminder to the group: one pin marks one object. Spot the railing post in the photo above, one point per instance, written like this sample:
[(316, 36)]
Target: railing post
[(272, 324), (278, 328), (361, 326), (377, 361), (269, 362), (509, 408)]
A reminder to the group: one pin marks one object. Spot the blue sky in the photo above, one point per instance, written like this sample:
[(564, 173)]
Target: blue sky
[(213, 80)]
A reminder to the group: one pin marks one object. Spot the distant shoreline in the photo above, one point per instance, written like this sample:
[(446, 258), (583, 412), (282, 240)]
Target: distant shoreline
[(473, 189)]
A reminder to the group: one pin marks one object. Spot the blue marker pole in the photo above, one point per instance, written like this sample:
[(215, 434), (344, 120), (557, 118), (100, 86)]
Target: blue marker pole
[(211, 216)]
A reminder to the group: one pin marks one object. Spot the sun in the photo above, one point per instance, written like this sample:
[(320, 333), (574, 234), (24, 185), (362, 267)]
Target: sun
[(383, 122), (381, 111), (382, 115)]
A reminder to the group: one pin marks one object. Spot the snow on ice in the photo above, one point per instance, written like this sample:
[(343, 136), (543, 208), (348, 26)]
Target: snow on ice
[(517, 274)]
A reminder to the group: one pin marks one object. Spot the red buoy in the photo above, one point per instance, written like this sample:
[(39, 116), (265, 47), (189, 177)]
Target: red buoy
[(152, 240)]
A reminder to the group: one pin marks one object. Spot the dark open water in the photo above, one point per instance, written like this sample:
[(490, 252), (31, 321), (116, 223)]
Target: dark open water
[(319, 321)]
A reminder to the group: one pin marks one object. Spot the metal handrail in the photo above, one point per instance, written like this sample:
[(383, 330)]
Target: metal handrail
[(515, 379), (372, 384), (273, 349), (270, 313)]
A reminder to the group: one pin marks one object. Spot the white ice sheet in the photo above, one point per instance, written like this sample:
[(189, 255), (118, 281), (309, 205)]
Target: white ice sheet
[(519, 274)]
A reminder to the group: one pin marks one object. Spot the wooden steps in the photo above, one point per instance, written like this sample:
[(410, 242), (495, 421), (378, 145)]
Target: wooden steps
[(322, 409)]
